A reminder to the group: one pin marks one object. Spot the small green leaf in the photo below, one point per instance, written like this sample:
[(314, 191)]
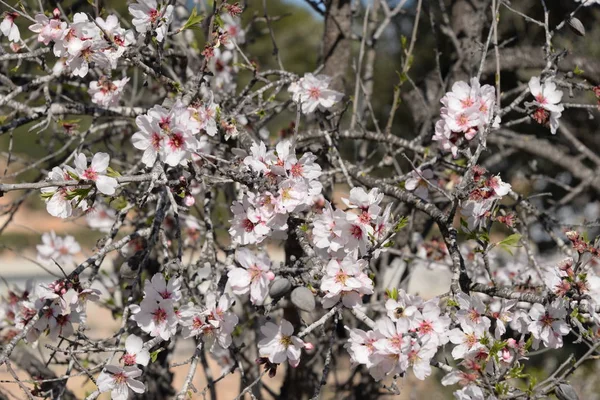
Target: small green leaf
[(154, 354), (392, 294), (73, 175), (510, 242), (194, 19), (578, 71), (112, 173), (401, 224)]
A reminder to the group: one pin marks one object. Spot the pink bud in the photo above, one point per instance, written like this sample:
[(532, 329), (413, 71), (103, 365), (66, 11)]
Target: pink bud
[(270, 275), (56, 13), (189, 200), (512, 343), (308, 346)]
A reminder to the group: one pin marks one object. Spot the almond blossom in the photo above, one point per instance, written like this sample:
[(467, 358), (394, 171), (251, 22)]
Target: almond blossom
[(220, 320), (417, 183), (157, 318), (402, 308), (48, 29), (361, 345), (548, 323), (253, 277), (120, 382), (107, 93), (96, 172), (391, 355), (328, 229), (312, 92), (468, 109), (430, 324), (9, 28), (58, 249), (279, 344), (419, 358), (346, 280), (467, 338), (148, 16), (249, 225), (135, 352), (547, 98)]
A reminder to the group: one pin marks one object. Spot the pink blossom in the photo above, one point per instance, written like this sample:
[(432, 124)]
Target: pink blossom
[(279, 344), (135, 351), (120, 381), (253, 277), (96, 172)]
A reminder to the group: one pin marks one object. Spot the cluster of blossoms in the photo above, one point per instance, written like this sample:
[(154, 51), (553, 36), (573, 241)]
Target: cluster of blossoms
[(547, 102), (478, 207), (312, 92), (62, 304), (160, 314), (107, 93), (407, 338), (222, 57), (121, 381), (340, 237), (296, 189), (413, 331), (149, 17), (82, 42), (468, 110), (337, 232), (57, 249), (174, 135), (61, 200)]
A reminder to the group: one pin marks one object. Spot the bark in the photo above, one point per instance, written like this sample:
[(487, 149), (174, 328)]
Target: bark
[(36, 369), (336, 41)]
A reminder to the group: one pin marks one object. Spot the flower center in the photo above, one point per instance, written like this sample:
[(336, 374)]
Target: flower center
[(297, 170), (314, 93), (341, 277), (468, 102), (541, 99), (129, 359), (90, 174), (159, 316), (120, 378), (286, 341), (356, 231), (153, 14), (176, 141), (426, 327), (547, 320), (248, 225)]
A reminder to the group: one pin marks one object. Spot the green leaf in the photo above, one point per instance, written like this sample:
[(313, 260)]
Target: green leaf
[(578, 71), (510, 242), (401, 224), (73, 175), (392, 294), (112, 173), (194, 19), (403, 41), (154, 354)]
